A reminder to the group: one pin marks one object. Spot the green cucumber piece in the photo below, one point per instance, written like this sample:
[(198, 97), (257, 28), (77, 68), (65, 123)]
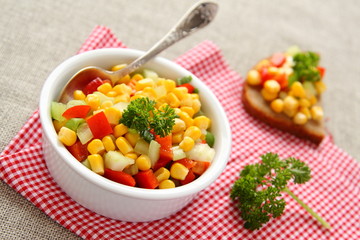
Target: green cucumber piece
[(57, 109), (74, 123)]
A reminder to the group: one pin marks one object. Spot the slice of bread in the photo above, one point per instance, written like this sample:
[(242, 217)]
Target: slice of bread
[(255, 105)]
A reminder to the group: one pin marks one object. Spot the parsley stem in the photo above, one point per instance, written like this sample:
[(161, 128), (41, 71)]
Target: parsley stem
[(308, 209)]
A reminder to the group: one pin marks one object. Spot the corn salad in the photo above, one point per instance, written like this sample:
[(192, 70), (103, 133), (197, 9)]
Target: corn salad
[(96, 135)]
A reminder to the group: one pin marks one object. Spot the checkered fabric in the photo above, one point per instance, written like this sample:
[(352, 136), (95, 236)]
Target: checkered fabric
[(333, 192)]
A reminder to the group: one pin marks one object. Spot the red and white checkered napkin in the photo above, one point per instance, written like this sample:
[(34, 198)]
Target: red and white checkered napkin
[(333, 191)]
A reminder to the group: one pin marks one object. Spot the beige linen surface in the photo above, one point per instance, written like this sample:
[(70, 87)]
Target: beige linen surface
[(37, 35)]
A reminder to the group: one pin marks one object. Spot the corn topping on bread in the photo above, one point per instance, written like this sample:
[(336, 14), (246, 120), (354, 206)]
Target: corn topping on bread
[(284, 91)]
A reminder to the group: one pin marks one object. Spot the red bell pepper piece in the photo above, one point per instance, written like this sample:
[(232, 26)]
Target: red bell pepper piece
[(78, 150), (99, 125), (265, 75), (187, 162), (78, 111), (277, 59), (282, 80), (200, 167), (188, 86), (92, 86), (189, 178), (321, 71), (119, 177), (146, 179), (166, 154)]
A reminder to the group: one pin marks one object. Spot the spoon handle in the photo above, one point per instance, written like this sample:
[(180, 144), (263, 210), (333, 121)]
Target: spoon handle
[(199, 16)]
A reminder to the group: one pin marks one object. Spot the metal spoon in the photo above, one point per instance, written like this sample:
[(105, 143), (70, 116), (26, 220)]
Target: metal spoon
[(199, 16)]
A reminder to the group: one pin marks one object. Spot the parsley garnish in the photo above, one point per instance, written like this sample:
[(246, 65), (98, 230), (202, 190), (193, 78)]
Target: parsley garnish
[(142, 116), (258, 190), (305, 68)]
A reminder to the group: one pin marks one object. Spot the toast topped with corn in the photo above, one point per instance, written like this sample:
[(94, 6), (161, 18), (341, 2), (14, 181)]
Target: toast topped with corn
[(284, 91)]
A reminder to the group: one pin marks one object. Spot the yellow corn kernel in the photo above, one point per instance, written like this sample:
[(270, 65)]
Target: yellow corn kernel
[(298, 90), (123, 145), (277, 105), (187, 144), (108, 143), (300, 118), (177, 137), (317, 113), (118, 67), (113, 115), (106, 104), (143, 162), (162, 174), (137, 77), (149, 92), (272, 86), (96, 163), (178, 171), (161, 101), (173, 100), (263, 63), (169, 85), (313, 100), (122, 89), (273, 71), (196, 105), (290, 112), (186, 100), (268, 96), (303, 102), (253, 77), (180, 92), (186, 118), (306, 111), (291, 103), (177, 111), (193, 132), (93, 101), (104, 88), (120, 130), (320, 87), (166, 184), (143, 83), (202, 122), (96, 146), (111, 93), (132, 138), (122, 98), (58, 125), (67, 136), (79, 95), (125, 79), (131, 155), (178, 126), (195, 96)]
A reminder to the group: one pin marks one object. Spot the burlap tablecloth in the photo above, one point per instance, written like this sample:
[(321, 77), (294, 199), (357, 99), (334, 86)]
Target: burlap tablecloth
[(37, 35)]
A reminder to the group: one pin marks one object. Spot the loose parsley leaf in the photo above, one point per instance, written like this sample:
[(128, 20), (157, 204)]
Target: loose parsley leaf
[(258, 190), (142, 115)]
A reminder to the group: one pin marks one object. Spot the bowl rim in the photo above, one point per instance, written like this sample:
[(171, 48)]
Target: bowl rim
[(210, 175)]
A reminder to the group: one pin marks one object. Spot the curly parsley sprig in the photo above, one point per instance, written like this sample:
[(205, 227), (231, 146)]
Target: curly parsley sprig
[(258, 190), (142, 115), (305, 68)]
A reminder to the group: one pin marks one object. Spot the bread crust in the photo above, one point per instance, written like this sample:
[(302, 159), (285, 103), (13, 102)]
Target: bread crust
[(256, 106)]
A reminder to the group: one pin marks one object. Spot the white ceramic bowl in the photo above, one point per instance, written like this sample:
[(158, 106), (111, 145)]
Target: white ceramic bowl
[(109, 198)]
